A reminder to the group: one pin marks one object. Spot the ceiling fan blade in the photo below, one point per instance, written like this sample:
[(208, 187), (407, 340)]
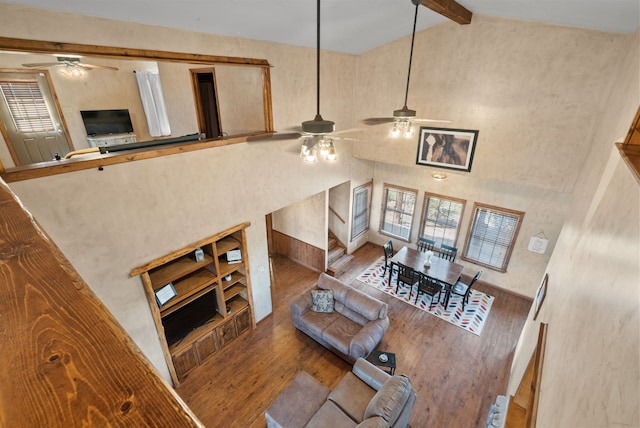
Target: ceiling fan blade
[(96, 67), (275, 136), (432, 120), (41, 64), (377, 120)]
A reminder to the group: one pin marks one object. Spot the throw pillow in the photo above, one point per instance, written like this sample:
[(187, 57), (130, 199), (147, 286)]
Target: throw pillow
[(322, 301)]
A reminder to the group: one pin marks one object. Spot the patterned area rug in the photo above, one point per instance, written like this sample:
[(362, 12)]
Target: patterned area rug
[(471, 319)]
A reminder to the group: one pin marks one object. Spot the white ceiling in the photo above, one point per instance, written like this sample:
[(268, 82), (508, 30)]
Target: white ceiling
[(352, 26)]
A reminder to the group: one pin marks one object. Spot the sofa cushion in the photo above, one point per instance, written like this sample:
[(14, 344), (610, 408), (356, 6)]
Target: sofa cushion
[(365, 305), (390, 399), (322, 301), (314, 323), (340, 332), (330, 415), (352, 395), (297, 403), (340, 289), (375, 422)]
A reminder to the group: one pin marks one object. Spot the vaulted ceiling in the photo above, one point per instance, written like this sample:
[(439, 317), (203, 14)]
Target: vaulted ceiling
[(352, 26)]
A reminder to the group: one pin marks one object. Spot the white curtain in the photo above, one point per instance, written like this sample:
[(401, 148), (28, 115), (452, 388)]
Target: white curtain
[(153, 103)]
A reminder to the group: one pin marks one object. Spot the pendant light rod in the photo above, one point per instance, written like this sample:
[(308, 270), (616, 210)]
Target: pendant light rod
[(413, 36), (318, 59)]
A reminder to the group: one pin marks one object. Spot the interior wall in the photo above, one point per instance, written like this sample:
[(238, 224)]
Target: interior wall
[(591, 375), (111, 221), (528, 88), (304, 220), (340, 202), (544, 211)]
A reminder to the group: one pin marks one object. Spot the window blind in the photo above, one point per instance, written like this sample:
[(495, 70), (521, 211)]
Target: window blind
[(27, 107)]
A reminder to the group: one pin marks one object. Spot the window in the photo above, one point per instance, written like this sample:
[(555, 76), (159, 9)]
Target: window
[(398, 206), (441, 217), (361, 208), (492, 235), (27, 106)]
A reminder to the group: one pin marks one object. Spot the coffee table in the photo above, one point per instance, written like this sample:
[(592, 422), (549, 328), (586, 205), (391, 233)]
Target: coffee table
[(388, 366)]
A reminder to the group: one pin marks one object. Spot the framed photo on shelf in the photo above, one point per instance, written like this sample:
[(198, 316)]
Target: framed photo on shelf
[(446, 148), (541, 294), (164, 294)]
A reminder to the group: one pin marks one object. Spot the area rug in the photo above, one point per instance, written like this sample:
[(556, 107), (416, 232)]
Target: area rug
[(471, 319)]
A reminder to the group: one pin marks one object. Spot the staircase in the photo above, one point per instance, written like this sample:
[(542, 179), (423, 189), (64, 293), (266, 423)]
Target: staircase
[(337, 259)]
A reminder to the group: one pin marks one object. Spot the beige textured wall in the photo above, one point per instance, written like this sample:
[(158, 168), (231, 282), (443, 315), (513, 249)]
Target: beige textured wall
[(304, 220), (528, 88), (559, 96), (591, 375), (108, 222)]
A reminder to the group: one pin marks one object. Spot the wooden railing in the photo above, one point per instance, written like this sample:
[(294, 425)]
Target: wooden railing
[(332, 211), (66, 362)]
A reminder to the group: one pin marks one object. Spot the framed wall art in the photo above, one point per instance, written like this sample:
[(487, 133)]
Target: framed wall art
[(541, 294), (446, 148)]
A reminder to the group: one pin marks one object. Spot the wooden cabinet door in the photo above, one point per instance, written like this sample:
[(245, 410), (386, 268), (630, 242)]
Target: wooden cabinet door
[(185, 361), (243, 321), (207, 345), (226, 332)]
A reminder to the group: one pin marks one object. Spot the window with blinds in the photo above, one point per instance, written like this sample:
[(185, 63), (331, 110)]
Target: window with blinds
[(441, 217), (361, 209), (492, 235), (398, 207), (27, 106)]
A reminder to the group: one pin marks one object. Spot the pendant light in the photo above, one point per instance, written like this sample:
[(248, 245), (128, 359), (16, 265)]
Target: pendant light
[(402, 124), (318, 143)]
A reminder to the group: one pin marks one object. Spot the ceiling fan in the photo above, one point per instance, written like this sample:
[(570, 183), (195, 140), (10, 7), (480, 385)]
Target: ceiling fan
[(318, 142), (70, 66), (403, 118)]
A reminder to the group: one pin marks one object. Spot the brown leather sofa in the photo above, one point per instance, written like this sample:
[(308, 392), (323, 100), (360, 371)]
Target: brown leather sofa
[(365, 397), (352, 329)]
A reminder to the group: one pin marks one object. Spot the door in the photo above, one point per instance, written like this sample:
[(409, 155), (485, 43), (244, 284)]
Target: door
[(204, 84), (31, 122)]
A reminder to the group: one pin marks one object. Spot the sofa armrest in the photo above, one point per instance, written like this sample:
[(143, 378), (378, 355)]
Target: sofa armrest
[(299, 306), (368, 338), (370, 374)]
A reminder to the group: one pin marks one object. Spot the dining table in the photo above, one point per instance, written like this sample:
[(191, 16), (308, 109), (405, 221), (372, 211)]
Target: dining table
[(442, 270)]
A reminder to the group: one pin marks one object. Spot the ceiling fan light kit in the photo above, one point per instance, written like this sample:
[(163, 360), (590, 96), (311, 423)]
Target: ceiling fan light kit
[(318, 146), (318, 143)]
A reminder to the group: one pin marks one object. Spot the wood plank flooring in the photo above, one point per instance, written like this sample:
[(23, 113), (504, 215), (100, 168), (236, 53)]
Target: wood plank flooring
[(457, 375)]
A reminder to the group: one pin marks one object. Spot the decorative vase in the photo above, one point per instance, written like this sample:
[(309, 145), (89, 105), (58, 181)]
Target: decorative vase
[(427, 261)]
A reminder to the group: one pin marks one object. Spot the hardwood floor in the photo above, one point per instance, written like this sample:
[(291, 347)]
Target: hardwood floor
[(457, 375)]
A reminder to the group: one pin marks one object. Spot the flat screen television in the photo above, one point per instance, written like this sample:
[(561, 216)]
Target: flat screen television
[(189, 317), (104, 122)]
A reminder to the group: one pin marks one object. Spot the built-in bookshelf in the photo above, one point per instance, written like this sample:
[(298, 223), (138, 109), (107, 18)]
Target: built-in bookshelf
[(200, 298)]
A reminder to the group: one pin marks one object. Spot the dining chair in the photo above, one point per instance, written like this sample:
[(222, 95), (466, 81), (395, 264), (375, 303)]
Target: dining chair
[(430, 287), (425, 244), (448, 252), (464, 290), (388, 253), (406, 275)]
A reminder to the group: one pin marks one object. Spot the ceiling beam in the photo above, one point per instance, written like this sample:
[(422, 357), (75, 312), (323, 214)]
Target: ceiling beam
[(449, 9)]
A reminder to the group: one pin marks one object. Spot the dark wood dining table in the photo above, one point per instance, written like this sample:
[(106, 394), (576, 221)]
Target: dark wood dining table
[(441, 270)]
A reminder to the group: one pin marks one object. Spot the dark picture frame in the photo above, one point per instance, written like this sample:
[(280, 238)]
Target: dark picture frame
[(541, 294), (446, 148)]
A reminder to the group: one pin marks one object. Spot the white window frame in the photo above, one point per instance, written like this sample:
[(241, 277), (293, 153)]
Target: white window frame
[(399, 221), (361, 212), (492, 235)]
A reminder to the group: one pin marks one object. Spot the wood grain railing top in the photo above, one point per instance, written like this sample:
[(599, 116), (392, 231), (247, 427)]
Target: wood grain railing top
[(66, 361)]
